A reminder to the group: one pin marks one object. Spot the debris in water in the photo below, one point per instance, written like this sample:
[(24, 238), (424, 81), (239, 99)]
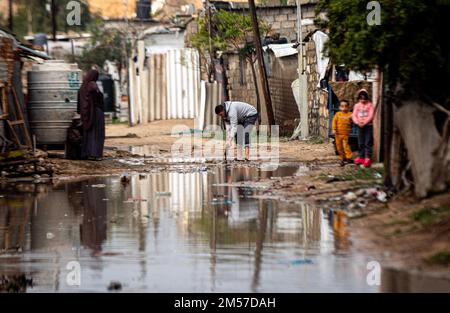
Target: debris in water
[(163, 193), (115, 286), (219, 202), (371, 191), (98, 186), (301, 262)]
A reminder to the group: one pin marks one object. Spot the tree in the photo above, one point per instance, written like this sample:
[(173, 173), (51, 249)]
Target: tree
[(40, 18), (106, 44), (231, 31), (411, 47)]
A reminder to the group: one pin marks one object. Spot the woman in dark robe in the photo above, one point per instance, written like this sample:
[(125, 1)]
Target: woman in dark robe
[(90, 107)]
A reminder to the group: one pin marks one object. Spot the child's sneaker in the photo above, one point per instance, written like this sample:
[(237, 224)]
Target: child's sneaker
[(367, 163), (359, 161)]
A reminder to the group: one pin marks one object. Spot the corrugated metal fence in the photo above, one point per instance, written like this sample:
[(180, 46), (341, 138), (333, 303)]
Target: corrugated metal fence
[(164, 86), (168, 86)]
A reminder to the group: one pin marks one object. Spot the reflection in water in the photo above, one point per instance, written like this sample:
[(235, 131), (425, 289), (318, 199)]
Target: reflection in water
[(93, 227), (338, 222), (165, 228), (393, 280)]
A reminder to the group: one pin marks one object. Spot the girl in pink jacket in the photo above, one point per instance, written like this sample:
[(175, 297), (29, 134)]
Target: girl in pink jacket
[(363, 116)]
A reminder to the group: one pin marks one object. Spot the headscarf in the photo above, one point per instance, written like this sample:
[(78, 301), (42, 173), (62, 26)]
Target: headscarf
[(363, 92), (86, 100)]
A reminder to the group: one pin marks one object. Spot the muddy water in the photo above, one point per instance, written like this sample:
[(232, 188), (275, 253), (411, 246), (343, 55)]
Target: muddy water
[(174, 232)]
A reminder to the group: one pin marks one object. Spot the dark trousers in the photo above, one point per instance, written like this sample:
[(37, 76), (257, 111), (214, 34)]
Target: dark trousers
[(248, 124), (365, 141)]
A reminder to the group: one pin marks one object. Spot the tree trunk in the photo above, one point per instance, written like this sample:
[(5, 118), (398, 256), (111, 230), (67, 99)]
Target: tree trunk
[(251, 61), (426, 149)]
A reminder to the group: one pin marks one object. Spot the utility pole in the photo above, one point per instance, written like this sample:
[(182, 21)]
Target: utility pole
[(10, 17), (211, 56), (302, 79), (53, 16), (262, 68)]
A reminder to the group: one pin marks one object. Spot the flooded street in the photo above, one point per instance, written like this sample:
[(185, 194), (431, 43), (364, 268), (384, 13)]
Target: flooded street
[(180, 231)]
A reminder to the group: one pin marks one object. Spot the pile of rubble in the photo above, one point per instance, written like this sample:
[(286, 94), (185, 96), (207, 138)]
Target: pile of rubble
[(27, 165)]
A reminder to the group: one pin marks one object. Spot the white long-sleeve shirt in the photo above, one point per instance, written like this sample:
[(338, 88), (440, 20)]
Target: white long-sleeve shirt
[(236, 112)]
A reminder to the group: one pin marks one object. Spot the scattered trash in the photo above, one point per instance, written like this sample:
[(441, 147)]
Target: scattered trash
[(115, 286), (50, 236), (381, 196), (310, 187), (132, 162), (362, 204), (301, 262), (105, 199), (98, 186), (350, 196), (378, 176), (332, 179), (371, 191)]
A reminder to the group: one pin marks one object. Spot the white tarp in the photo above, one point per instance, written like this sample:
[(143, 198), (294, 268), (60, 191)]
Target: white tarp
[(282, 50), (320, 39), (360, 76)]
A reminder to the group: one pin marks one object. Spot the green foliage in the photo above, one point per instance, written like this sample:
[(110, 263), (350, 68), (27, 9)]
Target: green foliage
[(431, 216), (106, 44), (229, 30), (440, 258), (412, 39), (41, 19)]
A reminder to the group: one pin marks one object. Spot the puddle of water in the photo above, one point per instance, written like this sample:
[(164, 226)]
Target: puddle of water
[(161, 229)]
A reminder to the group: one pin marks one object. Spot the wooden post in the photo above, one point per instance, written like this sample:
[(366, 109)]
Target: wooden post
[(53, 17), (262, 68), (211, 73)]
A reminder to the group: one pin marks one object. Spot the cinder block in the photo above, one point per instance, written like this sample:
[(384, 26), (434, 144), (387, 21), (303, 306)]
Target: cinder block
[(276, 25), (292, 17), (269, 18), (281, 18), (288, 24)]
